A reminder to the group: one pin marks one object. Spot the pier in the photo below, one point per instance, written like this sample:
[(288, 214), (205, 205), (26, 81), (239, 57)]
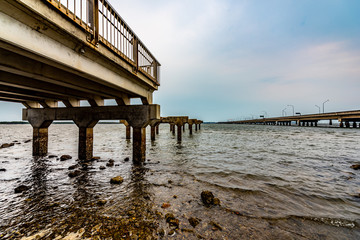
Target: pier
[(82, 51), (346, 119)]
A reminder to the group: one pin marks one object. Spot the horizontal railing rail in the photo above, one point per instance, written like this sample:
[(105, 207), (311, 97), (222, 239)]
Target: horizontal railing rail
[(104, 25)]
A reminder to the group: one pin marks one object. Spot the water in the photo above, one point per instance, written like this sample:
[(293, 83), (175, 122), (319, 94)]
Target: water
[(273, 182)]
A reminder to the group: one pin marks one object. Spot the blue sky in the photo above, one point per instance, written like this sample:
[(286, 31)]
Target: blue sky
[(227, 59)]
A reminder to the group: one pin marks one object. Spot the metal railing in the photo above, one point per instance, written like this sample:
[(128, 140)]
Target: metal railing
[(105, 26)]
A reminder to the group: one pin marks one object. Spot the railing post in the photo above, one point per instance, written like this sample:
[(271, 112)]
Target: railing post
[(93, 19), (155, 66), (135, 52)]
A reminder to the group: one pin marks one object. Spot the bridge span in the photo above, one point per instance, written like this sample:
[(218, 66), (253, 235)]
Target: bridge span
[(345, 119), (67, 51)]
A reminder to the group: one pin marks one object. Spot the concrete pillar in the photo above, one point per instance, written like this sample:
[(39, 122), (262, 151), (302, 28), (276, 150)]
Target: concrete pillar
[(128, 132), (196, 127), (330, 122), (307, 124), (341, 124), (312, 124), (316, 123), (179, 137), (183, 126), (40, 135), (139, 144), (200, 126), (354, 124), (173, 129), (347, 124), (290, 123), (190, 129), (157, 129), (152, 133), (40, 141), (170, 127), (86, 137), (86, 140)]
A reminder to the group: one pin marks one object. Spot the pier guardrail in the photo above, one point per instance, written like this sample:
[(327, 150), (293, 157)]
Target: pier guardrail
[(105, 26)]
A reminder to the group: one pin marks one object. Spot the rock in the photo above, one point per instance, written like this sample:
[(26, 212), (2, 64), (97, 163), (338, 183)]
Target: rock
[(6, 145), (216, 226), (175, 196), (127, 159), (26, 141), (74, 173), (187, 230), (194, 221), (165, 205), (21, 188), (116, 180), (171, 233), (95, 158), (2, 170), (208, 199), (355, 166), (171, 220), (111, 160), (101, 202), (161, 232), (65, 157), (52, 156), (72, 167), (110, 164), (170, 181), (102, 167)]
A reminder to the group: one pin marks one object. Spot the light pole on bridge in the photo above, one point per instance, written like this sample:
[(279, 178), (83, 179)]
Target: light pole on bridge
[(324, 105), (293, 108), (283, 112), (318, 108)]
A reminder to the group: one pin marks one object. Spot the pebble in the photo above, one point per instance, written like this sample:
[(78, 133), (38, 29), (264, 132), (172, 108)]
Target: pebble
[(2, 170), (72, 167), (21, 188), (194, 221), (52, 156), (116, 180), (6, 145), (102, 167), (165, 205), (65, 157), (127, 159), (355, 166), (208, 199), (74, 173), (101, 202)]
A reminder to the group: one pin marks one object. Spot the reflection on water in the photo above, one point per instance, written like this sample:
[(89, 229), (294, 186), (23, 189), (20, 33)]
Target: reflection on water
[(273, 183)]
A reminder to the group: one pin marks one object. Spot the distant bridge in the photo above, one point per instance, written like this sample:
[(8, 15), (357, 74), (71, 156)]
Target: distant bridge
[(346, 118), (66, 51)]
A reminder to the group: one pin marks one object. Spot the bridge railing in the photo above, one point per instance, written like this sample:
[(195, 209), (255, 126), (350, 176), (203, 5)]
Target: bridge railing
[(105, 26)]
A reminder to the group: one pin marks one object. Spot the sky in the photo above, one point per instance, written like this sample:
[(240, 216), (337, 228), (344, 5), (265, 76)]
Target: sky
[(235, 59)]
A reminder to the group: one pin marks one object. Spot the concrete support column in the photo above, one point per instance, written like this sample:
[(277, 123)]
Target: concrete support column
[(341, 124), (157, 129), (312, 124), (316, 123), (290, 123), (354, 124), (179, 137), (173, 129), (86, 137), (347, 124), (183, 126), (190, 129), (128, 132), (196, 127), (199, 126), (152, 128), (330, 122), (40, 141), (139, 144), (307, 124), (86, 142)]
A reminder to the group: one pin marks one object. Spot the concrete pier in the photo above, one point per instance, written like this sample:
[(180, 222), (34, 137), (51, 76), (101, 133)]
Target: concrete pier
[(128, 129), (138, 116), (152, 132)]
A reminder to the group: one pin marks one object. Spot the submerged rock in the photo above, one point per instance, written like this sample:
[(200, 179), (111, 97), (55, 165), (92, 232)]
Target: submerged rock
[(65, 157), (116, 180), (102, 167), (6, 145), (208, 199), (74, 173), (21, 188), (355, 166), (95, 158), (52, 156), (171, 220), (127, 159), (110, 163), (194, 221), (72, 167), (101, 202), (216, 226), (2, 170), (26, 141), (165, 205)]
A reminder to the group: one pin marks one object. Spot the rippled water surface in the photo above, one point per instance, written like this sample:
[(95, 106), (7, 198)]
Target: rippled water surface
[(273, 182)]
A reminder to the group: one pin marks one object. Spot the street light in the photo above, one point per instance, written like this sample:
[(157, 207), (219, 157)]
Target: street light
[(318, 108), (283, 112), (265, 113), (292, 109), (324, 105)]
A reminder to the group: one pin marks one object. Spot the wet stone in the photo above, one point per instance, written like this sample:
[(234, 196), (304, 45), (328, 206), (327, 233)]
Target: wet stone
[(127, 159), (165, 205), (161, 232), (116, 180), (72, 167), (102, 167), (171, 233), (27, 141), (355, 166), (2, 170), (52, 156), (6, 145), (65, 157), (74, 173), (171, 220), (101, 202), (95, 158), (21, 188), (216, 226), (208, 199), (194, 221)]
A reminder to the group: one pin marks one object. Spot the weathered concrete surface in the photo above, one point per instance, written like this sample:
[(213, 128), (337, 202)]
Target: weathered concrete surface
[(128, 129), (139, 144)]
